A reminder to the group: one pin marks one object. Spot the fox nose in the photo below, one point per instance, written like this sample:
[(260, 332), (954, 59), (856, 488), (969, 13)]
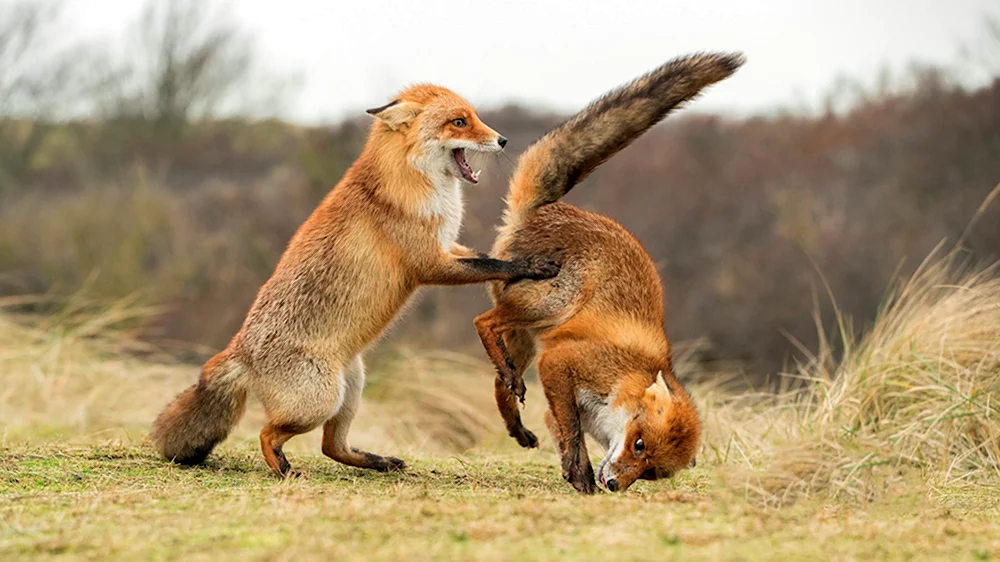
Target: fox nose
[(502, 141), (613, 485)]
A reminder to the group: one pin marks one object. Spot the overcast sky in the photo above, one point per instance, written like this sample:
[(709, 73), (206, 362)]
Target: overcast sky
[(558, 54)]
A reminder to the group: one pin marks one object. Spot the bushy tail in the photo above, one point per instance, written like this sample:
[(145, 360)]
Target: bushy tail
[(203, 415), (566, 155)]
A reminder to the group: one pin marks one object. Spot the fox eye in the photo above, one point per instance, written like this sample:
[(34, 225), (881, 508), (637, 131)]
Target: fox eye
[(458, 122), (639, 446)]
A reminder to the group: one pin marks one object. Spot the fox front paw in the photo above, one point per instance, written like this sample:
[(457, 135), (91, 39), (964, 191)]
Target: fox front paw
[(580, 480), (539, 268)]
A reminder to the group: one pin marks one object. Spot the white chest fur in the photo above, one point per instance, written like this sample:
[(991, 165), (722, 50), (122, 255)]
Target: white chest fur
[(605, 423), (447, 206), (445, 203)]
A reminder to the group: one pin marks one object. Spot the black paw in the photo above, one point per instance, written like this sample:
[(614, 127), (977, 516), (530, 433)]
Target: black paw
[(524, 437), (516, 386), (540, 268), (586, 487), (582, 481), (391, 464), (378, 462)]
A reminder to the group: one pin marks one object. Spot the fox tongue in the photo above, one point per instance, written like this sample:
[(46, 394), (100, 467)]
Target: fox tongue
[(463, 166)]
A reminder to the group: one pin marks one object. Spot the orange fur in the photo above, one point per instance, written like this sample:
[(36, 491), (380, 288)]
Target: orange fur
[(605, 362), (389, 226)]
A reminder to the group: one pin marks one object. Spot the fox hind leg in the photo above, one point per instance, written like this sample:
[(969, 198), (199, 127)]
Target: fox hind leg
[(272, 439), (521, 347), (491, 326), (336, 428), (523, 305), (309, 392)]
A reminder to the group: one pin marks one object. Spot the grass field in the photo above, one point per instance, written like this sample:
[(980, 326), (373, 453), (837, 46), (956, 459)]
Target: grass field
[(120, 501), (890, 451)]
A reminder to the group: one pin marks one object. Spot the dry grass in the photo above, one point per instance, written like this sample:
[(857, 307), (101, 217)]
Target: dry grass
[(78, 376), (915, 398), (889, 448)]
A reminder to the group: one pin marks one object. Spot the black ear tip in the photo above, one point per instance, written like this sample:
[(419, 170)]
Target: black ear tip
[(381, 108)]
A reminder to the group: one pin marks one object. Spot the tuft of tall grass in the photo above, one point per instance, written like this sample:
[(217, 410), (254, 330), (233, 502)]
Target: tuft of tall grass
[(76, 371), (917, 397)]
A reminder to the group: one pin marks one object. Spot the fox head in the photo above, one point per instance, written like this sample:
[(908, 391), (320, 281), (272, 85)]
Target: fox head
[(436, 127), (660, 437)]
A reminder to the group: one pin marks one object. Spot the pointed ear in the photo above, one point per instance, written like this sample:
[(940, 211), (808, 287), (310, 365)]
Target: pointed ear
[(396, 114), (660, 385), (662, 381)]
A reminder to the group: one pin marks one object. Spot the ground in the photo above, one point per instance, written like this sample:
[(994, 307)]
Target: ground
[(121, 501), (888, 451)]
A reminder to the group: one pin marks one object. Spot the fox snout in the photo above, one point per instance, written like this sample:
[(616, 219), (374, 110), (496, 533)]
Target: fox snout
[(480, 136), (618, 476), (494, 143), (498, 143), (618, 480)]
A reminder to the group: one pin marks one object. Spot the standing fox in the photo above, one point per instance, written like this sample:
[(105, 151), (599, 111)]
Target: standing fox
[(389, 226), (605, 360)]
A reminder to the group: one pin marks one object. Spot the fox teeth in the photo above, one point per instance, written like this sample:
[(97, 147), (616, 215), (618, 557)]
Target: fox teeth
[(475, 175)]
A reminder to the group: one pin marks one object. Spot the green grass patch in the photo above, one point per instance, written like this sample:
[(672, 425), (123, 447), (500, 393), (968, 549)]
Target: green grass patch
[(103, 502)]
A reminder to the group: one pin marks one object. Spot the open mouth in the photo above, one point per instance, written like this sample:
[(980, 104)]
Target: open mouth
[(463, 166), (601, 476)]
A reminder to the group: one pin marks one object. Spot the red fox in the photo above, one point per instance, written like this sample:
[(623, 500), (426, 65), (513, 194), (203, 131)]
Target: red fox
[(605, 362), (389, 226)]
